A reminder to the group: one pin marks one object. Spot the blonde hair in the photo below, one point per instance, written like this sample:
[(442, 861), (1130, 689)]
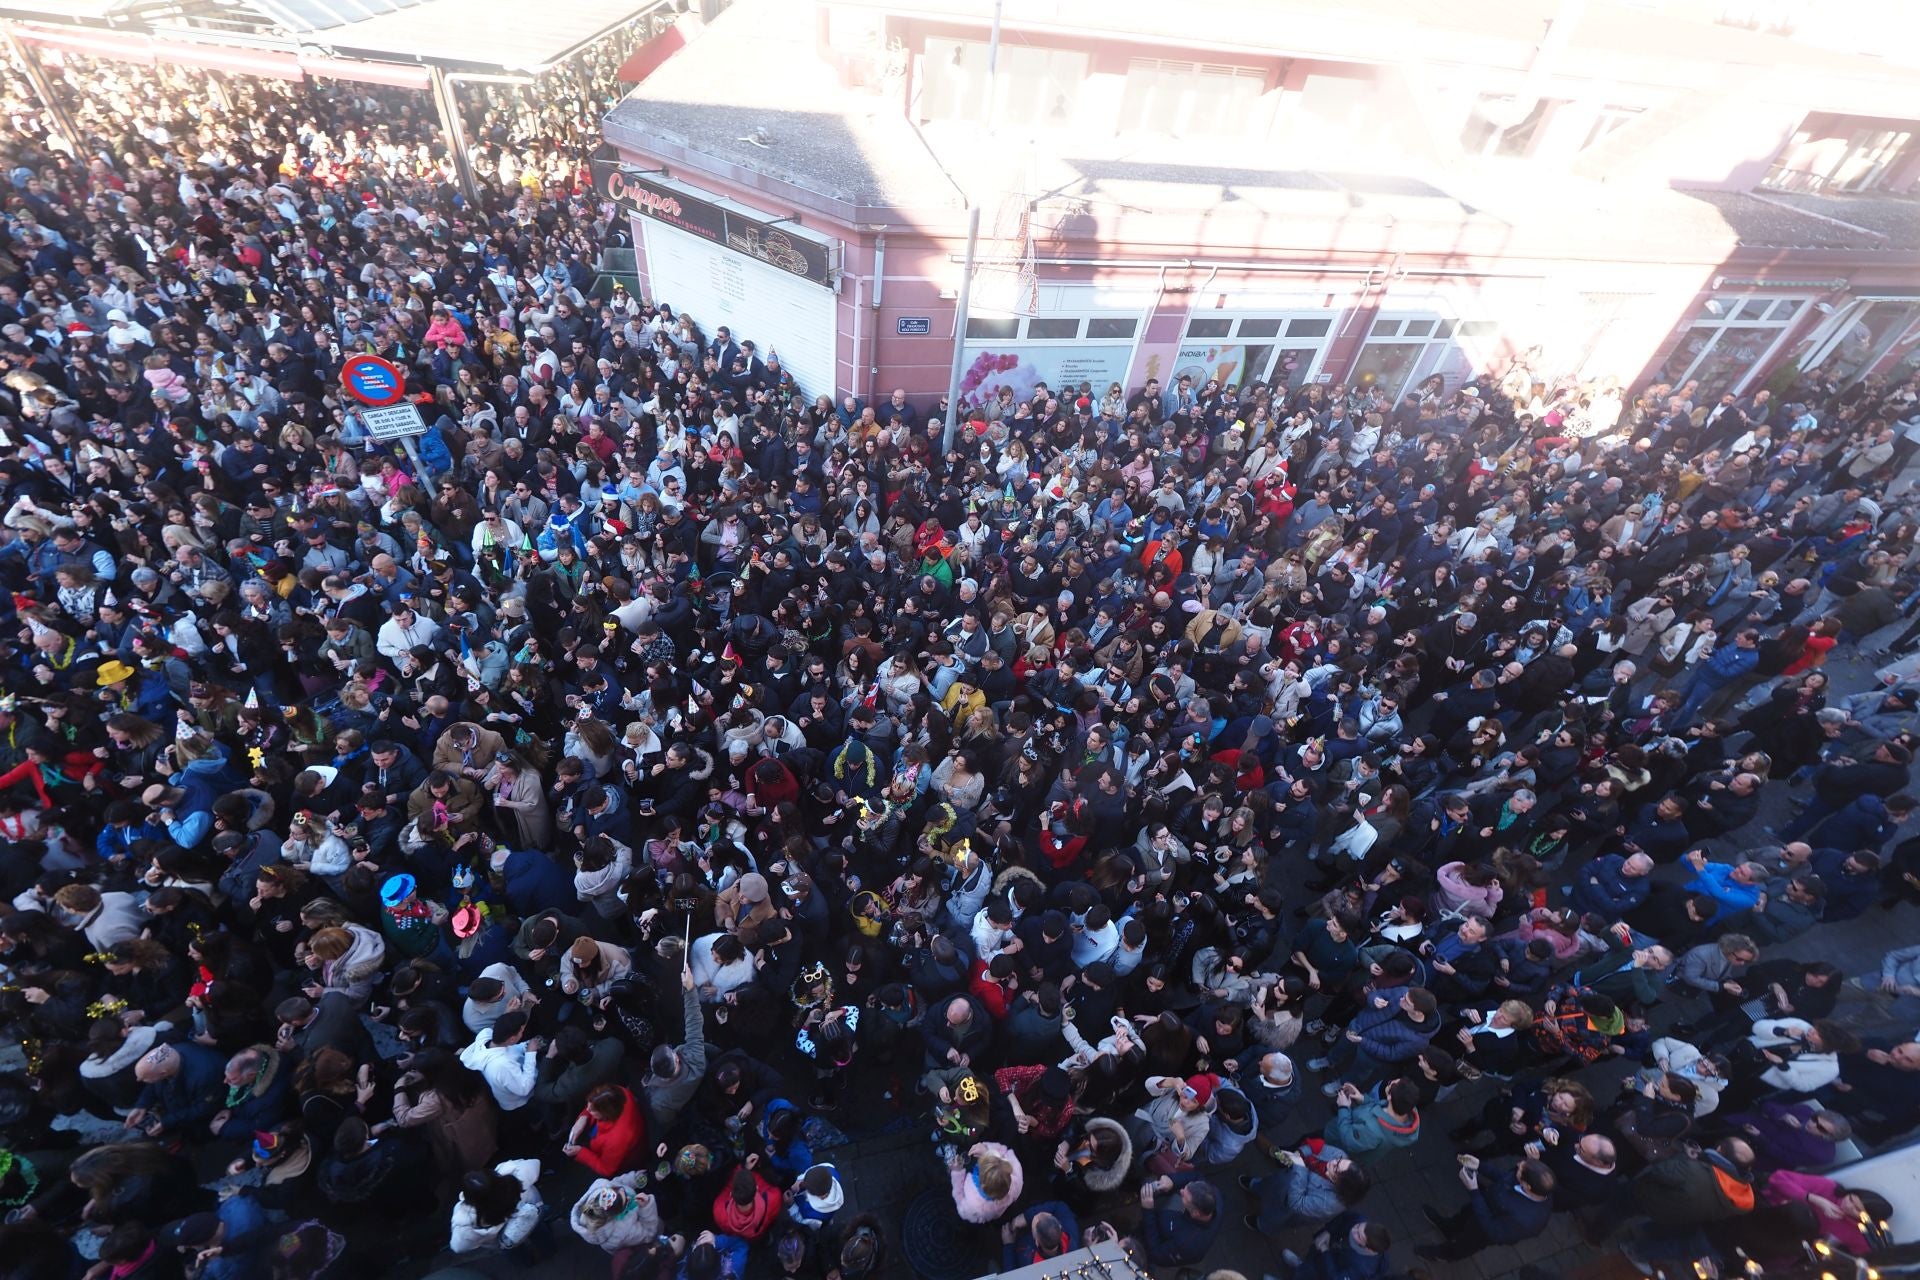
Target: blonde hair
[(995, 1176)]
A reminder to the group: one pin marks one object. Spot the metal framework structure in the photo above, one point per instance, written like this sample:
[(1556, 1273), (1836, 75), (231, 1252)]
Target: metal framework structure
[(426, 45)]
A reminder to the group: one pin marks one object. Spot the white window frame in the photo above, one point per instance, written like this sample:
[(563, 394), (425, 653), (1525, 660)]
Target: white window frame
[(1781, 312)]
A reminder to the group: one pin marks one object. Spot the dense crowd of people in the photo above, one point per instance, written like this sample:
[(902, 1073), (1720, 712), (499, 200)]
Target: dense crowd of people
[(561, 845)]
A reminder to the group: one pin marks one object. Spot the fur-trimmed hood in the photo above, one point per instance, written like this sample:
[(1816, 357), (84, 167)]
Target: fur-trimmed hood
[(1008, 876), (1110, 1179), (702, 766)]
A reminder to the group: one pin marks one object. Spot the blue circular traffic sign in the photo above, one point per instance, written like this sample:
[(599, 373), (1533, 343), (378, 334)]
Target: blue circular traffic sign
[(373, 381)]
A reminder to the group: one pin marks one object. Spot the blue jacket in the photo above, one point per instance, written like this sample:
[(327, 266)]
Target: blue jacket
[(1020, 1253), (1727, 665), (535, 883), (1340, 1260), (1863, 824), (1175, 1240), (1385, 1034), (1602, 889), (1847, 895), (250, 1228), (1506, 1216), (733, 1258), (1716, 881), (188, 1099)]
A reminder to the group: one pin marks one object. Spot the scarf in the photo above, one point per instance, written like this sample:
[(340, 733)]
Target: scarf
[(237, 1093), (12, 1165), (132, 1265)]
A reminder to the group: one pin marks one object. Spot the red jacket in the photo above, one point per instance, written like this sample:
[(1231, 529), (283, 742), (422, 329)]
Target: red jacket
[(611, 1149), (754, 1221), (989, 992)]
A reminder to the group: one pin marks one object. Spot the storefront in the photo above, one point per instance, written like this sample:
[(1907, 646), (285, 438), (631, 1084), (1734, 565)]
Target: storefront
[(1291, 343), (1081, 333), (1403, 349), (1870, 334), (770, 282), (1735, 337)]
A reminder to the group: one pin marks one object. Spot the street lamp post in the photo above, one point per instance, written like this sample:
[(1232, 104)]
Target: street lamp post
[(973, 242)]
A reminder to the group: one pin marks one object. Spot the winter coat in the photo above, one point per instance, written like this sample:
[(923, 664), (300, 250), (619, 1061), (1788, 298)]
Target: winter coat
[(667, 1098), (1302, 1194), (469, 1236), (1101, 1180), (1161, 1109), (462, 1140), (111, 1078), (511, 1070), (479, 1017), (1688, 1193), (599, 889), (609, 1148), (1454, 894), (353, 974), (814, 1212), (1603, 889), (1271, 1106), (637, 1226), (972, 1204), (756, 1219), (1225, 1142), (1804, 1072), (1367, 1130), (1700, 970), (487, 745), (534, 882), (187, 1099), (266, 1102)]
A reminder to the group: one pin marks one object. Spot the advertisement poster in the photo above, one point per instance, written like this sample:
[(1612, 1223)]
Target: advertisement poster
[(991, 366), (1206, 360)]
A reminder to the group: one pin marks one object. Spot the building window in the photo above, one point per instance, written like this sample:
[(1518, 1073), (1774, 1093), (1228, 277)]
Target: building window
[(1498, 126), (1035, 84), (1259, 329), (1309, 328), (1209, 328), (1732, 338), (1193, 99), (1052, 328), (1111, 329), (992, 327), (1607, 122), (1859, 160), (1403, 351)]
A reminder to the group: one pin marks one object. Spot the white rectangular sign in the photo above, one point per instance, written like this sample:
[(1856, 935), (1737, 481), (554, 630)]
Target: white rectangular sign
[(393, 421)]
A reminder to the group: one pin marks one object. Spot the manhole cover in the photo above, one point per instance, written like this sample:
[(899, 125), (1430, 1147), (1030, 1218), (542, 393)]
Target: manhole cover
[(937, 1243)]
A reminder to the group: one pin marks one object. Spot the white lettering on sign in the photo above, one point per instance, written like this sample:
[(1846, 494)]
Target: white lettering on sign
[(655, 202)]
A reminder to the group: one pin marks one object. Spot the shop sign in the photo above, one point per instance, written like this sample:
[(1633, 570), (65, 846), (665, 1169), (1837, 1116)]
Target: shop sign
[(737, 231)]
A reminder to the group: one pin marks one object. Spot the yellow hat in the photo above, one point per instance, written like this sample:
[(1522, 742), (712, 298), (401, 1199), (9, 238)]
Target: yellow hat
[(112, 671)]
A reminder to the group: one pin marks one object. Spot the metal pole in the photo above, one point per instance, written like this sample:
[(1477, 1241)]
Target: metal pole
[(973, 243), (43, 87), (454, 131), (419, 464)]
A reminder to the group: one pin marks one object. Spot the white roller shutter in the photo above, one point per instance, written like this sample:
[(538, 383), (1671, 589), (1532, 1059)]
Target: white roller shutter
[(777, 310)]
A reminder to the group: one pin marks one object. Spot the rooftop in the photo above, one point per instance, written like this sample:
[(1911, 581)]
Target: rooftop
[(1896, 218), (478, 35)]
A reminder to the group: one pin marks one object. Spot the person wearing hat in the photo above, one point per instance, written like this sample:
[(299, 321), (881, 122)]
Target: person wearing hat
[(1170, 1128), (744, 904), (411, 924), (226, 1244)]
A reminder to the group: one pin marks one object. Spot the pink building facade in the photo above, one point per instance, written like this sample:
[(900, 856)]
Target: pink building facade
[(1319, 200)]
